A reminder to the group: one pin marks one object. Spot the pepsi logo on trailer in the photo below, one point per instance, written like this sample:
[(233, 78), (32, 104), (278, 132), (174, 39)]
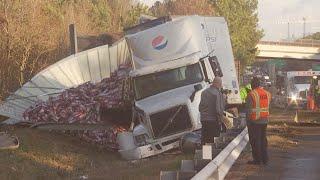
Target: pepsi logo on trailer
[(159, 42)]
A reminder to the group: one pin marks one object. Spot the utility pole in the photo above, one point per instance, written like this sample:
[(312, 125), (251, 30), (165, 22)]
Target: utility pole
[(304, 27), (288, 30), (291, 22)]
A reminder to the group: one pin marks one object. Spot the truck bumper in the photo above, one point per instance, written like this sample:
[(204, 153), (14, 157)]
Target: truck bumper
[(148, 150)]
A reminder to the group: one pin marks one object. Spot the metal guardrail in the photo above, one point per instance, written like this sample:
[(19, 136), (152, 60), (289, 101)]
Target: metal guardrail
[(219, 167), (303, 43)]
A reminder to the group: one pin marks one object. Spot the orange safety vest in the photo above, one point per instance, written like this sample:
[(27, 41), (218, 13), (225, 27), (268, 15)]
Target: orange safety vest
[(260, 103)]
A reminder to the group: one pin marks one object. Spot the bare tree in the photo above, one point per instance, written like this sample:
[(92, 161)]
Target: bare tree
[(34, 33)]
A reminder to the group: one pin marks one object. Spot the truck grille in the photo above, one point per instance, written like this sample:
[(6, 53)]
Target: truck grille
[(162, 126)]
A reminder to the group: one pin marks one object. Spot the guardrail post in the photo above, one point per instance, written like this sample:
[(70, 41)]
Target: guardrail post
[(218, 168), (207, 152)]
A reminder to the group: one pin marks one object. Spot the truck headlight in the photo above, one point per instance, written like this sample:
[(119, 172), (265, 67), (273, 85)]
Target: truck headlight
[(294, 98), (140, 135), (141, 139)]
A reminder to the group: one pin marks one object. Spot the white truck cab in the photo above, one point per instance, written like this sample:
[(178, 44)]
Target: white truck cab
[(298, 85), (173, 62)]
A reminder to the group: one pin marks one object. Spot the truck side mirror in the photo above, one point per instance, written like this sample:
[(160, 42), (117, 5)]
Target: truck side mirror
[(215, 66)]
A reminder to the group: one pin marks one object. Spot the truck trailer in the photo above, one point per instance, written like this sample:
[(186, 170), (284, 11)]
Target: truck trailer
[(174, 59)]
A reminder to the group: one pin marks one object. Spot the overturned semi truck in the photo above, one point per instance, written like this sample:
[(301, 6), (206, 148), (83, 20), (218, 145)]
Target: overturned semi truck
[(174, 60)]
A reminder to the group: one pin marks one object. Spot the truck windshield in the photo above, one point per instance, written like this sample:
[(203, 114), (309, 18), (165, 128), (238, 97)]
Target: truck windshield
[(155, 83), (302, 79)]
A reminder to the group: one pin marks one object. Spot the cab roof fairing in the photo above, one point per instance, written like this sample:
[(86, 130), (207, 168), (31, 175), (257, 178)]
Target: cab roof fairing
[(166, 42)]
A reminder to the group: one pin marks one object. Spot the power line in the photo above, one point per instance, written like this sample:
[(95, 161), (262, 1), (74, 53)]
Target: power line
[(290, 22)]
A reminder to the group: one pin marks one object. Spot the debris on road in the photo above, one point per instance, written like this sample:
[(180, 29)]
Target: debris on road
[(84, 105), (8, 142)]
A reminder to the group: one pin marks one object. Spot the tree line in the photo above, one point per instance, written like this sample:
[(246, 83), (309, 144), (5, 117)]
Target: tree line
[(34, 33), (315, 36)]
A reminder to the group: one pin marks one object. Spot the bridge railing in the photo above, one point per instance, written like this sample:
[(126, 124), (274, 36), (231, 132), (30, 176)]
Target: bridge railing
[(303, 43)]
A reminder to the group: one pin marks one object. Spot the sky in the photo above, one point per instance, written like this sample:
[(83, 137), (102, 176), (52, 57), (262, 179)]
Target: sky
[(274, 16)]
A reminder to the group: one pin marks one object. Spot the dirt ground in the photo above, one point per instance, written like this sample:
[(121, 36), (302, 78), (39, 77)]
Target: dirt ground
[(294, 150), (50, 155)]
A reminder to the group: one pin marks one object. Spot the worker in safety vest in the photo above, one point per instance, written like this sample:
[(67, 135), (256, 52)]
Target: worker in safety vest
[(257, 105), (244, 91), (317, 96)]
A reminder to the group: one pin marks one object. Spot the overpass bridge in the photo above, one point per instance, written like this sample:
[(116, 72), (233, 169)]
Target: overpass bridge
[(298, 50)]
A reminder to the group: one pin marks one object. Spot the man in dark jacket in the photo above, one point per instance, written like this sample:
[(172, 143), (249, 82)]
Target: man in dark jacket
[(211, 109)]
